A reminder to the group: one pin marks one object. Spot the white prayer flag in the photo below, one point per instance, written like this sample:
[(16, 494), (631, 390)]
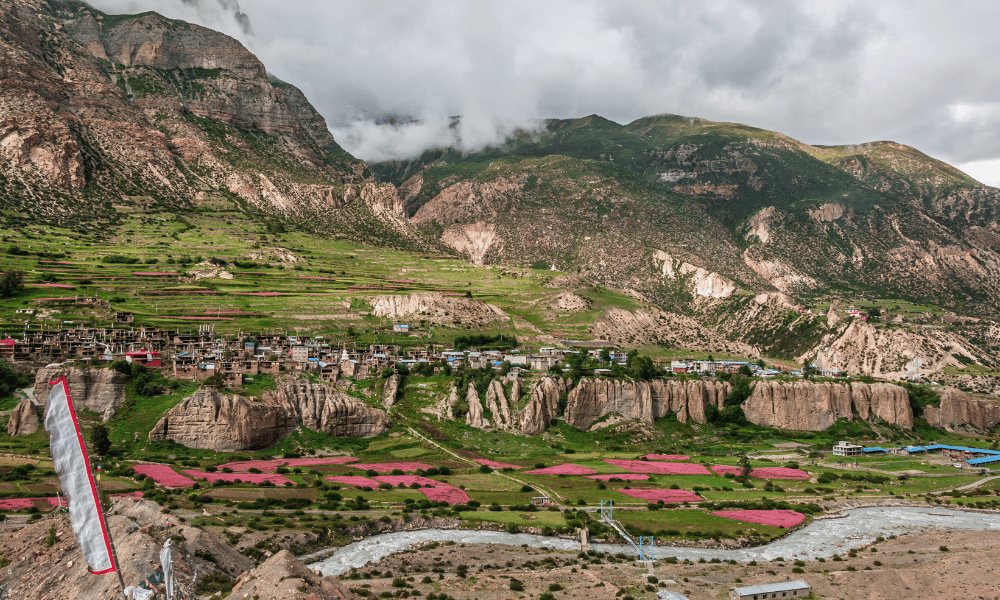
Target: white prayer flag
[(168, 569), (72, 466)]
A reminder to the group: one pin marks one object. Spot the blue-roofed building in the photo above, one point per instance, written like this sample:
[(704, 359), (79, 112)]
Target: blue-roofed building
[(984, 460), (874, 449)]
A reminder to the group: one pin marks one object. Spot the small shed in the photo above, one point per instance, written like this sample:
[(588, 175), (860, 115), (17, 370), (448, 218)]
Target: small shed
[(787, 589), (541, 501)]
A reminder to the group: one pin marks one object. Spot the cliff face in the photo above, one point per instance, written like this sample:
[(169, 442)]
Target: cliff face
[(474, 418), (95, 109), (213, 421), (99, 390), (391, 391), (496, 402), (592, 399), (804, 405), (958, 409), (23, 419), (543, 404), (323, 408)]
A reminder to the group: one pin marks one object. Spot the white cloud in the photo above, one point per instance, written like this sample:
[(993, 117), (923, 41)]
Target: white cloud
[(822, 72), (983, 171)]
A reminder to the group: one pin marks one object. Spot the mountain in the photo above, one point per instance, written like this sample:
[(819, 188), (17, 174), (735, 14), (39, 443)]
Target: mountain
[(764, 211), (110, 113)]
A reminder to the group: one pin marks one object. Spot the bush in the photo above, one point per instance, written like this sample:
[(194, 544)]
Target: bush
[(516, 585)]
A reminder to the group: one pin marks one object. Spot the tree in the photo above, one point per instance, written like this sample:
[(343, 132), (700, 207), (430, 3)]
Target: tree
[(745, 467), (11, 283), (605, 355), (99, 439)]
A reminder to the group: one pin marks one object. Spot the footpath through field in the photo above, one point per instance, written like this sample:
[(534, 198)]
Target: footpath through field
[(555, 498)]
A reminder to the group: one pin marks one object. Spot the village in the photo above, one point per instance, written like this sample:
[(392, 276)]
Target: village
[(198, 355)]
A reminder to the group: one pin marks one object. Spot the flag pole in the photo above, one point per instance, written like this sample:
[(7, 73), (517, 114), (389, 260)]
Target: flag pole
[(111, 541)]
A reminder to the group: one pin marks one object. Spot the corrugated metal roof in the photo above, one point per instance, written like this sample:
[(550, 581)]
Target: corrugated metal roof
[(874, 449), (767, 588), (670, 595), (984, 460)]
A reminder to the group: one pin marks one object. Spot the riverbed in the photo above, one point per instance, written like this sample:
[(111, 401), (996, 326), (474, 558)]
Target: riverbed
[(821, 538)]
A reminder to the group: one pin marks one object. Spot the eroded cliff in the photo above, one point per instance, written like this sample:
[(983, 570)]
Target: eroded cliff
[(958, 410), (99, 390), (809, 406)]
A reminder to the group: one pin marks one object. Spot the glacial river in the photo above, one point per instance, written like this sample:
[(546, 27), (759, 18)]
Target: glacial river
[(824, 537)]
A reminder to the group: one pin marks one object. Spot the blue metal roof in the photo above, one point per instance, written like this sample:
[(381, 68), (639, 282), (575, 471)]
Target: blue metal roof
[(984, 460), (874, 449), (915, 449)]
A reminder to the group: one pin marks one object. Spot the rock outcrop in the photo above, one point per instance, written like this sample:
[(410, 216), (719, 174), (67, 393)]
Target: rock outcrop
[(452, 401), (210, 420), (496, 402), (957, 409), (437, 308), (595, 398), (321, 407), (391, 391), (214, 421), (804, 405), (475, 416), (23, 419), (283, 576), (515, 393), (99, 390), (543, 405)]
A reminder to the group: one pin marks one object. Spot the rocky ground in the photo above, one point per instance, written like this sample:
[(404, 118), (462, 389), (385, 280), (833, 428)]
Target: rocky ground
[(912, 565)]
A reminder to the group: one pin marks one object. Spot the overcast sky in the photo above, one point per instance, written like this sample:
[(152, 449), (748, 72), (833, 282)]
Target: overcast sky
[(823, 72)]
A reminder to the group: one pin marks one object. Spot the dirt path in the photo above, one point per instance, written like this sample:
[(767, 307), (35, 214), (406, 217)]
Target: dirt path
[(978, 483), (555, 497)]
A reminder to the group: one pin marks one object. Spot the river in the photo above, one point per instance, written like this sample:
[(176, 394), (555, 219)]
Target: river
[(821, 538)]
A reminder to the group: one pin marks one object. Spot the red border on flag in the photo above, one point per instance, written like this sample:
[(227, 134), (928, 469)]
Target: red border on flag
[(90, 477)]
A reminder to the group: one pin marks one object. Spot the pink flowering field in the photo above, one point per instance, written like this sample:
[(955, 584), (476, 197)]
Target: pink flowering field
[(667, 456), (764, 472), (17, 503), (274, 478), (128, 495), (775, 518), (269, 466), (496, 465), (354, 480), (563, 469), (668, 496), (622, 476), (658, 468), (449, 494), (163, 475), (388, 467), (398, 480)]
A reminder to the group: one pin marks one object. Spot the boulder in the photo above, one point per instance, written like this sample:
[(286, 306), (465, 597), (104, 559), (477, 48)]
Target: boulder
[(474, 417), (99, 390), (391, 391), (959, 409), (23, 419), (283, 576), (809, 406)]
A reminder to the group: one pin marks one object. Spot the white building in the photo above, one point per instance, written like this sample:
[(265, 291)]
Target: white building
[(788, 589), (847, 449)]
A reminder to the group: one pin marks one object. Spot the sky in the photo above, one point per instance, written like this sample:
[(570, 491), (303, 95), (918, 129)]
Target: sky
[(823, 72)]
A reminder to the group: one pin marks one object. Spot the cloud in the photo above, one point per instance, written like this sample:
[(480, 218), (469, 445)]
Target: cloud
[(826, 73)]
